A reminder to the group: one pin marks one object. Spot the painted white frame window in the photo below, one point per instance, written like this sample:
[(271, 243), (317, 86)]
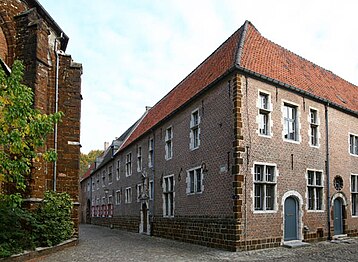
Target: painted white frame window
[(139, 192), (314, 124), (104, 178), (194, 130), (97, 181), (139, 159), (117, 197), (168, 196), (129, 164), (194, 181), (151, 152), (110, 177), (290, 119), (118, 174), (314, 190), (264, 187), (353, 144), (128, 195), (151, 190), (169, 143), (354, 192), (264, 120)]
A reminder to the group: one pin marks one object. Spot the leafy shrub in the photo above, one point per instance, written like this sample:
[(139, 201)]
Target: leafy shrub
[(53, 218)]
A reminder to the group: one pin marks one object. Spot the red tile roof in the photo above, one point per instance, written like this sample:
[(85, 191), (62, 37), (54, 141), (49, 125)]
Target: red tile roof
[(262, 56), (247, 49), (88, 172)]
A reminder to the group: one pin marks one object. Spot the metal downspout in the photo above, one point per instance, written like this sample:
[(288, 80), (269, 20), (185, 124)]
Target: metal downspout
[(328, 174), (56, 111)]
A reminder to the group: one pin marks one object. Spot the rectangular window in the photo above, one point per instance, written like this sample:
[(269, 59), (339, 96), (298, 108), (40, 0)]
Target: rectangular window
[(129, 164), (110, 178), (194, 130), (88, 187), (354, 190), (139, 192), (290, 122), (128, 195), (97, 181), (103, 178), (117, 197), (314, 190), (264, 187), (151, 190), (139, 159), (151, 153), (353, 144), (168, 196), (118, 175), (313, 127), (264, 114), (195, 181), (93, 186), (168, 143)]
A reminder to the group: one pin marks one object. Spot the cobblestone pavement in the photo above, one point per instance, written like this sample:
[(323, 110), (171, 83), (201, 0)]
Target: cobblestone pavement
[(104, 244)]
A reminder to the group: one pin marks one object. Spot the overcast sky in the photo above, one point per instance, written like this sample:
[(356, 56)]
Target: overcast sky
[(134, 52)]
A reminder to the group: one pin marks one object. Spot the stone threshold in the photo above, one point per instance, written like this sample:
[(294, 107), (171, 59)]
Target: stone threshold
[(41, 251), (295, 244)]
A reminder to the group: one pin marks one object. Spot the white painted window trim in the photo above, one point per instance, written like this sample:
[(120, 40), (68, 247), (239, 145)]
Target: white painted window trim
[(128, 195), (150, 190), (118, 170), (298, 126), (323, 192), (269, 109), (139, 191), (128, 164), (310, 129), (188, 181), (351, 191), (192, 127), (150, 149), (349, 143), (110, 171), (275, 208), (163, 195), (167, 139), (139, 159), (117, 201)]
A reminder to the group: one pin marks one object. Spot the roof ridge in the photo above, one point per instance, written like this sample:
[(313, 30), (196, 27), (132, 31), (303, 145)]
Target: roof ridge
[(241, 42)]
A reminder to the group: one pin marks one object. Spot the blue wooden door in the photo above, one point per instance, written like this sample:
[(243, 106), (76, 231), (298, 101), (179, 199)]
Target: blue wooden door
[(338, 216), (291, 219)]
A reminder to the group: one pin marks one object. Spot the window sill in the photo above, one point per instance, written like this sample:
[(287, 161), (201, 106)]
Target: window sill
[(353, 155), (265, 136), (195, 148), (264, 211), (292, 141), (315, 211)]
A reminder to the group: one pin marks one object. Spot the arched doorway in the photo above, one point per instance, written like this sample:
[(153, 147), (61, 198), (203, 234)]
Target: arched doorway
[(144, 226), (338, 216), (291, 219)]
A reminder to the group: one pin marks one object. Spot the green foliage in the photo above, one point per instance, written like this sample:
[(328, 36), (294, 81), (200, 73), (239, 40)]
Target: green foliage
[(54, 219), (48, 225), (88, 159), (23, 129)]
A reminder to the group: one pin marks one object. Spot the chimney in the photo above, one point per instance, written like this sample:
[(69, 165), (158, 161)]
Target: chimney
[(106, 145)]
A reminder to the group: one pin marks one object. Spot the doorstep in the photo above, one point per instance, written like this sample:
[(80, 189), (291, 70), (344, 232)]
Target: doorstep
[(295, 244)]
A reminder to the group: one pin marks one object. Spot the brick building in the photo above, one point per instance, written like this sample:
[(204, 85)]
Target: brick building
[(255, 147), (28, 33)]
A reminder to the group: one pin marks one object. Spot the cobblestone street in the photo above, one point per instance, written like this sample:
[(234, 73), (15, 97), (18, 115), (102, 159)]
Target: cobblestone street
[(104, 244)]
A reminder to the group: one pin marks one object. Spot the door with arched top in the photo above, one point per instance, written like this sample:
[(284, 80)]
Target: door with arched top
[(291, 219), (338, 216)]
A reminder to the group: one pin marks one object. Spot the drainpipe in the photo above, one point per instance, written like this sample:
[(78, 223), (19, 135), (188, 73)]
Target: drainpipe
[(328, 175), (56, 110)]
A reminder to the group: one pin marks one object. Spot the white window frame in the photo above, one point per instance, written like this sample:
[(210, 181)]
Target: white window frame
[(118, 170), (266, 111), (151, 190), (354, 194), (117, 197), (315, 188), (193, 182), (139, 191), (110, 174), (264, 182), (151, 152), (104, 177), (353, 148), (128, 164), (194, 130), (139, 159), (313, 126), (297, 139), (169, 143), (128, 195), (166, 196)]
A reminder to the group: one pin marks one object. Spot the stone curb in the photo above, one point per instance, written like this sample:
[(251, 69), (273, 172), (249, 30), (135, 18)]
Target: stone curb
[(32, 256)]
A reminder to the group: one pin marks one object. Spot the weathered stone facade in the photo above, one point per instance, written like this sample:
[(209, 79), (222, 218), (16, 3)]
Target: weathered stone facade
[(28, 33)]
